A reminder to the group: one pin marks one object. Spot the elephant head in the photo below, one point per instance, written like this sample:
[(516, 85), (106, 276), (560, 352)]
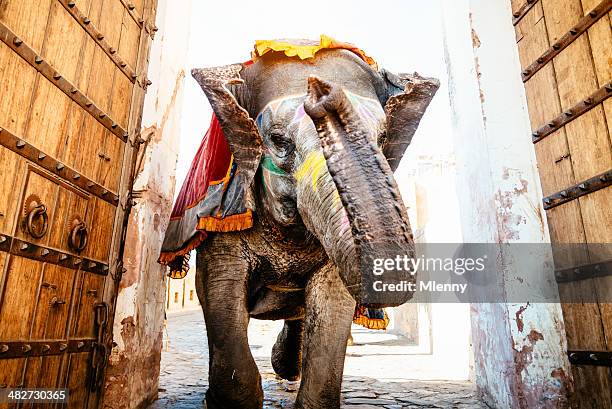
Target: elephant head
[(318, 140)]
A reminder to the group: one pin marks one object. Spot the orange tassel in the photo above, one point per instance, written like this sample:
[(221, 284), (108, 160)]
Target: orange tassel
[(234, 222), (360, 318), (166, 258)]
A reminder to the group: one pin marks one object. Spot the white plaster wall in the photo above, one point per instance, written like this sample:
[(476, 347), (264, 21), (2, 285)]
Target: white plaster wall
[(134, 362), (155, 184), (517, 365)]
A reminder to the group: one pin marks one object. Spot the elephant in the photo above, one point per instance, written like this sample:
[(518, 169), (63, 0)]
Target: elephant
[(317, 141)]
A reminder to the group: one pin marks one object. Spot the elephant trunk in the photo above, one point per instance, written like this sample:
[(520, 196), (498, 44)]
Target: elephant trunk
[(361, 218)]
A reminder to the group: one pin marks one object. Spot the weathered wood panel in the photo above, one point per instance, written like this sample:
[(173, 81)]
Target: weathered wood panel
[(64, 42), (11, 372), (47, 120), (91, 288), (28, 18), (13, 168), (22, 283), (46, 106), (17, 79), (130, 38), (575, 152)]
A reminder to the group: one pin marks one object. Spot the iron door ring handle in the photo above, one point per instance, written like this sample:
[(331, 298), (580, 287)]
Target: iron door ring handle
[(37, 213), (78, 237)]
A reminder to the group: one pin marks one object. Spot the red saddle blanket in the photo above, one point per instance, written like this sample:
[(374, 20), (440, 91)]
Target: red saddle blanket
[(208, 201)]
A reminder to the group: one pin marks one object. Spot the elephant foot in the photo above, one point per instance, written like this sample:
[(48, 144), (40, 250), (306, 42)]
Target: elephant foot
[(250, 397), (287, 351), (327, 324)]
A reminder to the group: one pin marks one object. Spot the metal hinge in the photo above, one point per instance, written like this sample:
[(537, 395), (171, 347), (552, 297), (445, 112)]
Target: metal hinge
[(99, 357)]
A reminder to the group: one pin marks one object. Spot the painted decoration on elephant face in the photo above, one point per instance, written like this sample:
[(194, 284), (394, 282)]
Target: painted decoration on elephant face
[(279, 139)]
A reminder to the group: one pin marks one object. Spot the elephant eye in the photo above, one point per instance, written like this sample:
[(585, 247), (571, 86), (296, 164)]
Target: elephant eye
[(278, 139), (281, 144)]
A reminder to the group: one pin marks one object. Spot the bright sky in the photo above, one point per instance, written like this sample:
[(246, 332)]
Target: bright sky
[(402, 35)]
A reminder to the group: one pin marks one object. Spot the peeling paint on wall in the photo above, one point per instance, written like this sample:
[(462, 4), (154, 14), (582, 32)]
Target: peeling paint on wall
[(133, 369), (519, 349)]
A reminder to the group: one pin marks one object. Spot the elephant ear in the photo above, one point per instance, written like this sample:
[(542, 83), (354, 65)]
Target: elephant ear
[(223, 87), (408, 96)]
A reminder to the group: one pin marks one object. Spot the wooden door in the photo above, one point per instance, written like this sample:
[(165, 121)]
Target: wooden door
[(72, 84), (565, 48)]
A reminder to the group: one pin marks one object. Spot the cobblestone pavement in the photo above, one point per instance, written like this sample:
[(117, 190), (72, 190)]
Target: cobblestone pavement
[(184, 373)]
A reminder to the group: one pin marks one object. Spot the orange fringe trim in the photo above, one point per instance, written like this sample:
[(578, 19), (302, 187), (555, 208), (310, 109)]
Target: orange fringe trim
[(235, 222), (372, 323), (166, 258)]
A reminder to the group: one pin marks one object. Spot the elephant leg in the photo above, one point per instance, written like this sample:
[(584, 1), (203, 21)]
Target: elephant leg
[(287, 351), (327, 324), (234, 380)]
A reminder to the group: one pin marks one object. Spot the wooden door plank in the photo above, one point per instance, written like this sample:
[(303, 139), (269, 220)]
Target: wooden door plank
[(589, 144), (565, 226), (91, 288), (130, 39), (607, 106), (600, 38), (575, 73), (57, 315), (101, 79), (27, 18), (76, 376), (84, 143), (101, 222), (19, 298), (58, 230), (87, 61), (121, 99), (592, 388), (110, 22), (41, 372), (94, 11), (17, 84), (531, 36), (47, 121), (542, 87), (13, 168), (3, 257), (597, 217), (561, 16), (139, 4), (598, 229), (11, 372), (110, 169), (554, 163), (64, 42)]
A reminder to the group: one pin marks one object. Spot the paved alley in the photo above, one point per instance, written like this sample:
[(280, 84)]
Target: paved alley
[(184, 367)]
